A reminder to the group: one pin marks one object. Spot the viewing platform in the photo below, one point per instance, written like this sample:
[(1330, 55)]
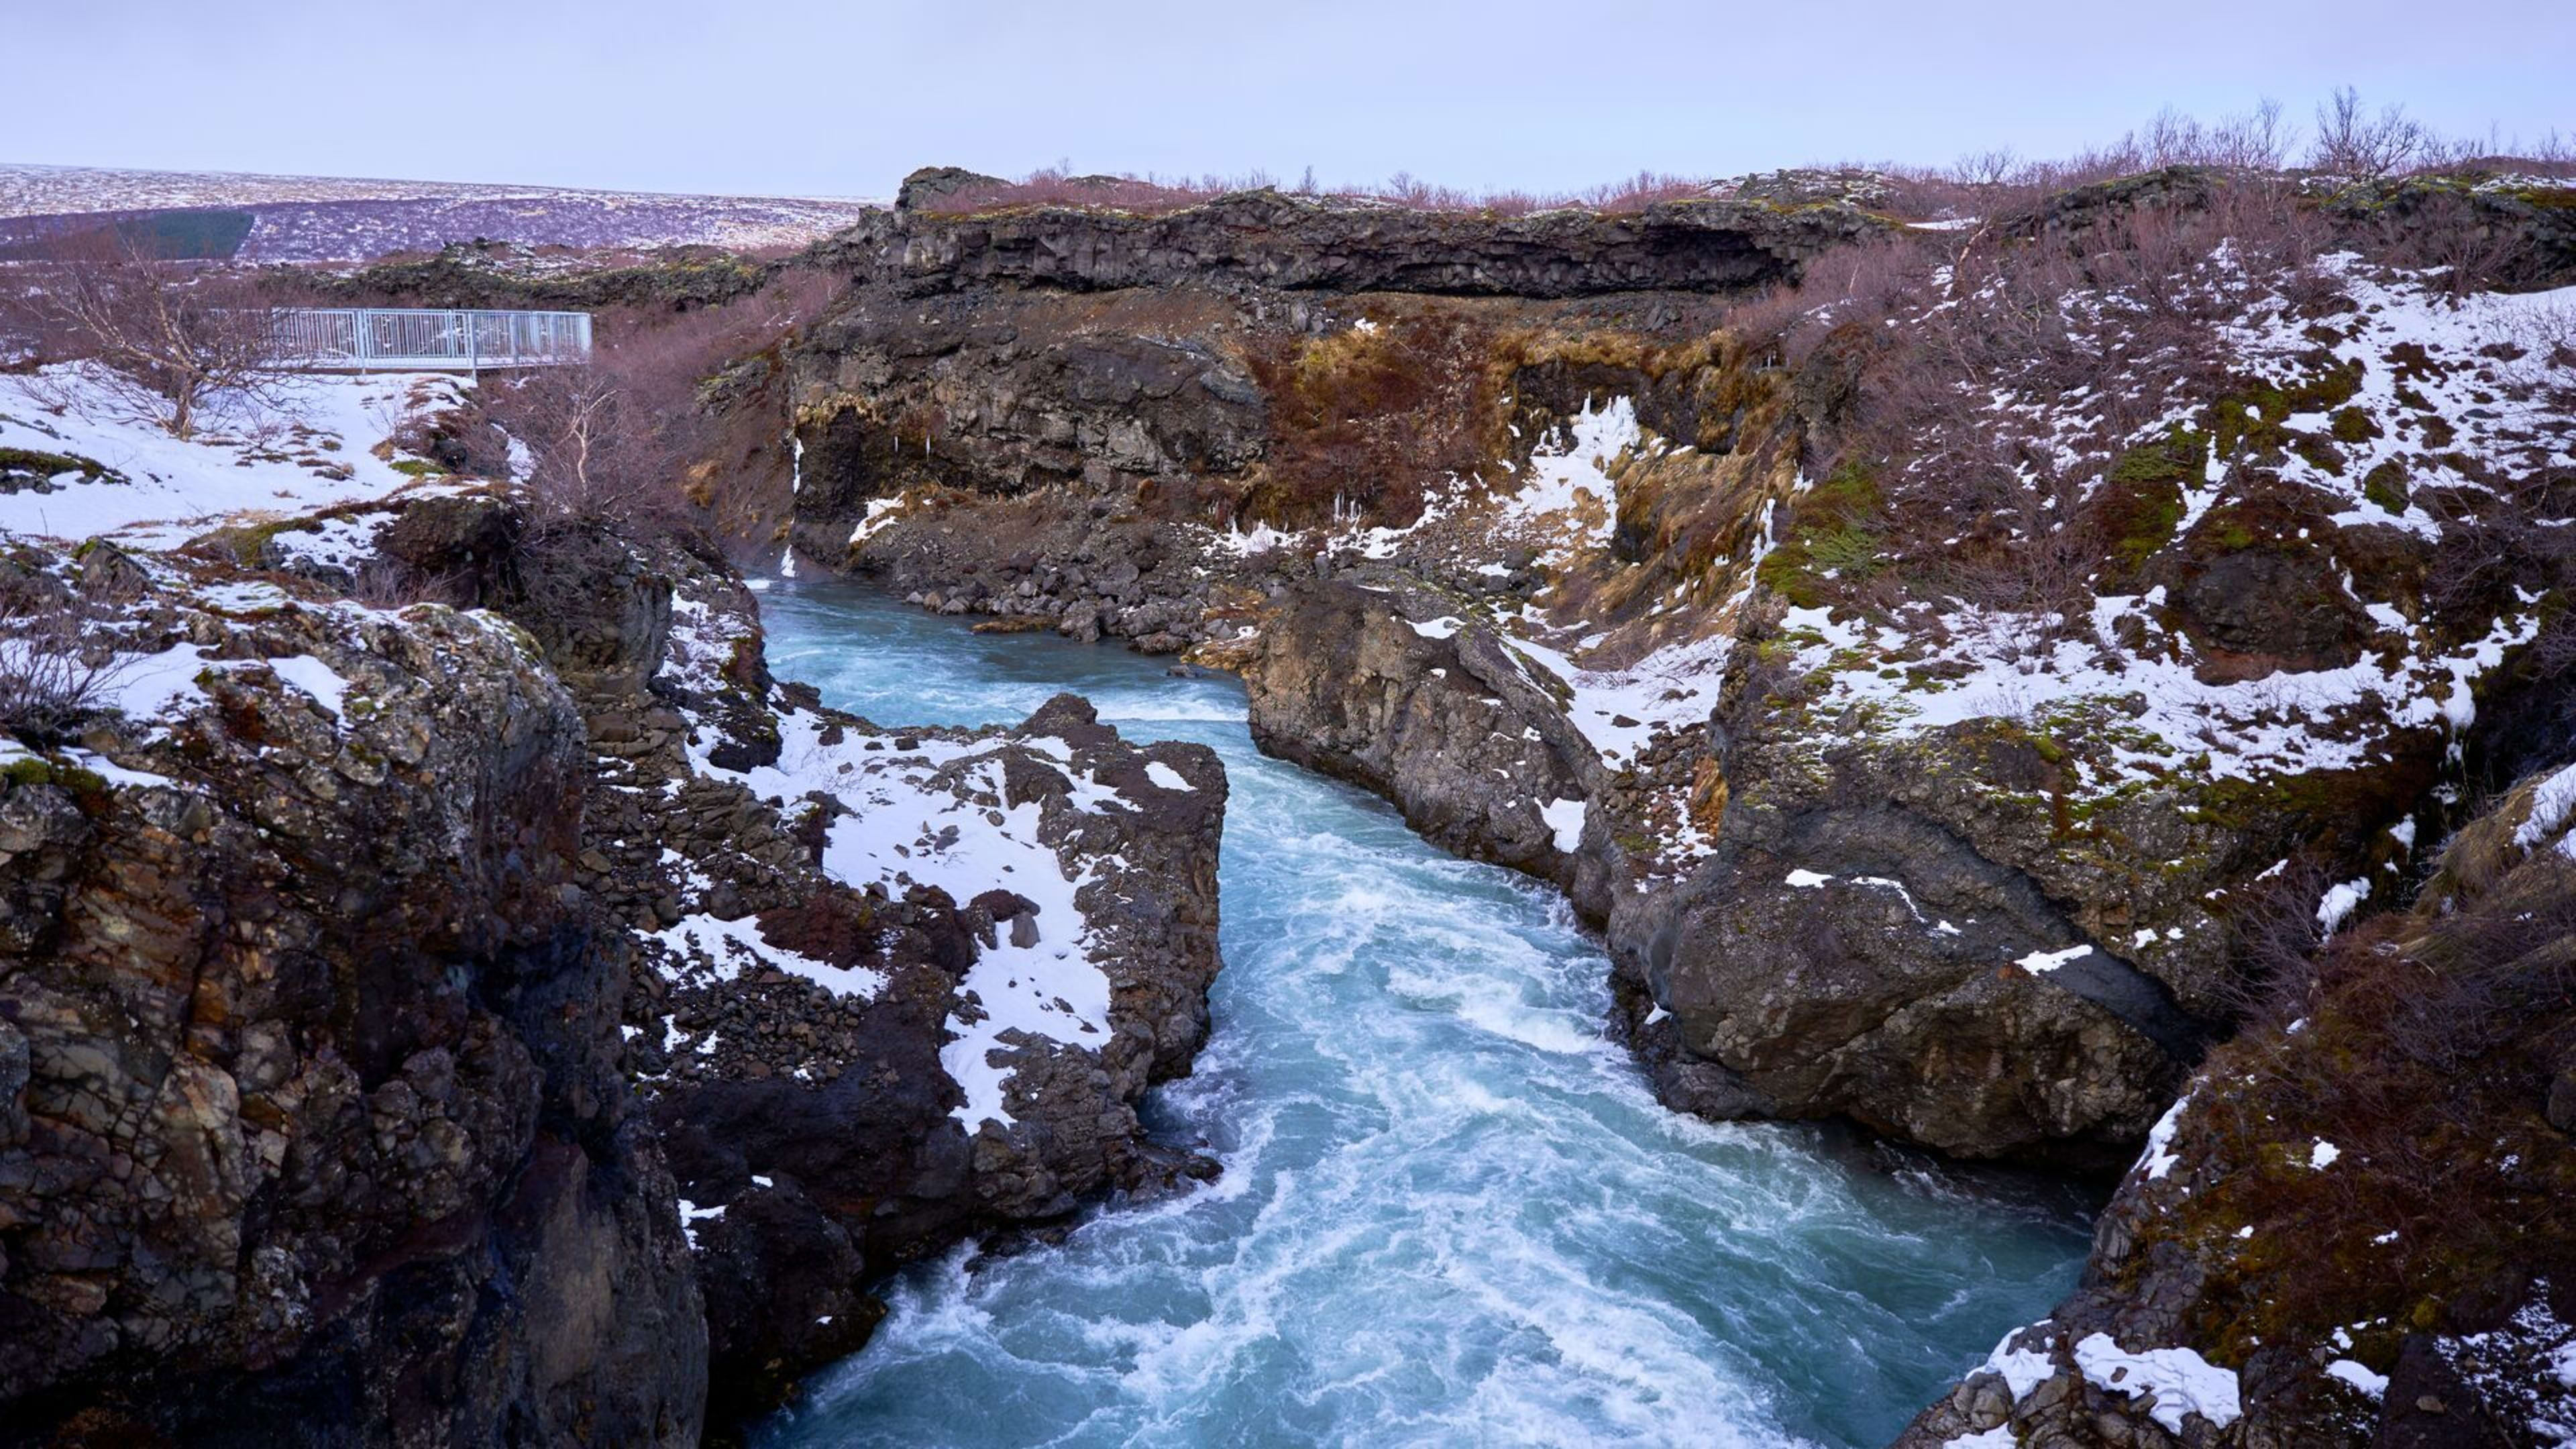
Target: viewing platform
[(428, 339)]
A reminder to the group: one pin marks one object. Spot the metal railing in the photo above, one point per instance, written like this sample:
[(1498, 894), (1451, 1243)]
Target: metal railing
[(426, 339)]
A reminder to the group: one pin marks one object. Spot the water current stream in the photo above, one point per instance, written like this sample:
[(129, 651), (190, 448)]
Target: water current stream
[(1451, 1211)]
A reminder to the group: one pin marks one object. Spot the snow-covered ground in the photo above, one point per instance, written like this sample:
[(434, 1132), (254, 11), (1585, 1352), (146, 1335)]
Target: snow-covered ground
[(2433, 379), (322, 218), (328, 445)]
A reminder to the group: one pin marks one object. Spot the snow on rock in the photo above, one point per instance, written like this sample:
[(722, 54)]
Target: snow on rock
[(2003, 666), (2524, 1370), (1619, 711), (1051, 987), (2552, 801), (144, 686), (934, 808), (934, 815), (730, 945), (691, 1215), (315, 678), (2323, 1155), (2023, 1369), (2179, 1381), (2044, 961), (2373, 1386), (1565, 818), (1565, 496), (2159, 1158), (2127, 685), (882, 513), (2339, 903)]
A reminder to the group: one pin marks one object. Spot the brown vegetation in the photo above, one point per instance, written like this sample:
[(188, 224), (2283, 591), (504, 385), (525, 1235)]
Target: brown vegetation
[(617, 440), (1364, 419), (2423, 1049)]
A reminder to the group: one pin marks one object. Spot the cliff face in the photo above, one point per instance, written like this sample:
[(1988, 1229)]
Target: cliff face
[(312, 1127), (520, 1018), (1926, 744), (1014, 351), (1297, 243), (2353, 1227), (894, 987)]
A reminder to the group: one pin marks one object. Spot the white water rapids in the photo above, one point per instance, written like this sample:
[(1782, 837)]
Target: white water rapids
[(1451, 1211)]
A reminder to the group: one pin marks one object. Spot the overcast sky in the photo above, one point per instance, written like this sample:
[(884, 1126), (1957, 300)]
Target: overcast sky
[(810, 97)]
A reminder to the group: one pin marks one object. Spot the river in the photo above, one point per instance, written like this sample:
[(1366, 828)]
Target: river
[(1451, 1211)]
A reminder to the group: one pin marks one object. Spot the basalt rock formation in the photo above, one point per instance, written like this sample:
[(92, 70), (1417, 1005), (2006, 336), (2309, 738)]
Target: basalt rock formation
[(1273, 240), (1896, 804), (2345, 1232), (812, 951), (531, 1021), (313, 1128)]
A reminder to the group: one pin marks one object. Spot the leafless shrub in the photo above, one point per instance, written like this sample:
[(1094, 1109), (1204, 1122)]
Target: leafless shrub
[(390, 583), (2273, 936), (2551, 155), (613, 441), (174, 345), (2353, 142), (1848, 285), (50, 681), (1153, 195), (2255, 140), (603, 448)]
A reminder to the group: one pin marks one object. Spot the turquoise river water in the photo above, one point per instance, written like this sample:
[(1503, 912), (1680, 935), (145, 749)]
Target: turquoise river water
[(1451, 1211)]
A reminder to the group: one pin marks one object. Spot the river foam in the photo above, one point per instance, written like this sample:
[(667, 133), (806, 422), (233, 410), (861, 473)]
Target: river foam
[(1451, 1212)]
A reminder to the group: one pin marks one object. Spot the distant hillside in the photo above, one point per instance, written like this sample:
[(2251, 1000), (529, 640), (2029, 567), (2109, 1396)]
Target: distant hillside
[(312, 218)]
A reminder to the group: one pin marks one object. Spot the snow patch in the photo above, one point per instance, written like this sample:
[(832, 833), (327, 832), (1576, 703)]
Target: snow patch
[(1565, 817), (2177, 1380), (2159, 1158), (2044, 961)]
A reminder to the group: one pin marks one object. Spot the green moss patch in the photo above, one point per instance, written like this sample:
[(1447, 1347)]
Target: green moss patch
[(2141, 502), (1835, 527), (2385, 485), (18, 465)]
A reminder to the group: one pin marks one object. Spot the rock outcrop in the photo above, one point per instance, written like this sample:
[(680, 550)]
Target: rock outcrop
[(2353, 1227), (314, 1127), (1378, 684), (1274, 240), (1896, 804), (898, 986), (1099, 352), (532, 1019)]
